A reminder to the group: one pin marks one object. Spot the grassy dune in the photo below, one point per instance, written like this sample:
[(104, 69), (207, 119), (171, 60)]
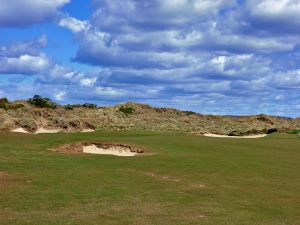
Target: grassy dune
[(188, 180)]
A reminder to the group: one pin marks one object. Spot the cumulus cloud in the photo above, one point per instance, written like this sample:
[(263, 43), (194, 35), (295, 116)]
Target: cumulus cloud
[(88, 82), (15, 13), (23, 64), (125, 34), (208, 56), (155, 15), (280, 17), (24, 58), (61, 75), (100, 48), (31, 47), (59, 96)]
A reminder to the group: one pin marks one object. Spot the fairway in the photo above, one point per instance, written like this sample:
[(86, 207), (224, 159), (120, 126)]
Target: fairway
[(184, 180)]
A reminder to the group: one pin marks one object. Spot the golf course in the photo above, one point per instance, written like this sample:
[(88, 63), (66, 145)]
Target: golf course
[(180, 179)]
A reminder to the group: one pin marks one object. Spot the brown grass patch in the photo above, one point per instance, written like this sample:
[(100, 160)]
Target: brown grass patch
[(8, 180)]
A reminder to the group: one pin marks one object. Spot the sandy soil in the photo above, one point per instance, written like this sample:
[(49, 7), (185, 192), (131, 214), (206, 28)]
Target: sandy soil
[(20, 130), (47, 131), (226, 136), (114, 150)]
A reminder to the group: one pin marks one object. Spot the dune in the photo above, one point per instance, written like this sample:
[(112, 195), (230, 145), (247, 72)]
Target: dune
[(114, 150), (227, 136)]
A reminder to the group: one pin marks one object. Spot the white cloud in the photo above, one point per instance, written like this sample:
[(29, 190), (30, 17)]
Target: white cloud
[(286, 79), (279, 97), (28, 12), (88, 82), (58, 74), (24, 64), (109, 91), (156, 14), (269, 17), (73, 24), (275, 9), (60, 95)]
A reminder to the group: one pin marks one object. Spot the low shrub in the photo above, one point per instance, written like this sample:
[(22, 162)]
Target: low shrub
[(189, 113), (127, 110), (89, 105), (4, 103), (16, 106), (69, 107), (294, 132), (41, 102), (85, 105)]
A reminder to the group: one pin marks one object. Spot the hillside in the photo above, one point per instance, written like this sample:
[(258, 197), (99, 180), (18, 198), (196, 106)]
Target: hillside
[(134, 116)]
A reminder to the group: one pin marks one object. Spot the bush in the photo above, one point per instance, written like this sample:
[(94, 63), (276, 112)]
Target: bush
[(16, 106), (41, 102), (127, 110), (69, 107), (189, 113), (85, 105), (295, 132), (89, 105), (4, 103)]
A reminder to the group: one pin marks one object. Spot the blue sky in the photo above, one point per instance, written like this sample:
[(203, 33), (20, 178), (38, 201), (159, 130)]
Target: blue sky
[(214, 57)]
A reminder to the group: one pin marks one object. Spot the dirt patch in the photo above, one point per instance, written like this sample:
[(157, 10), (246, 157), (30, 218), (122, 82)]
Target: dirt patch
[(173, 179), (165, 178), (3, 174), (8, 180), (101, 149), (199, 186), (4, 180)]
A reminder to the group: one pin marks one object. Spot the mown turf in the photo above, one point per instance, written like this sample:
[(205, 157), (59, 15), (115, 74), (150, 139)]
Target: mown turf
[(189, 180)]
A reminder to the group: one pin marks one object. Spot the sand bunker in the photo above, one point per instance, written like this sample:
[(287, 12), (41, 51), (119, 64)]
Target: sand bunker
[(38, 131), (88, 130), (113, 150), (227, 136), (101, 149), (20, 130), (47, 131)]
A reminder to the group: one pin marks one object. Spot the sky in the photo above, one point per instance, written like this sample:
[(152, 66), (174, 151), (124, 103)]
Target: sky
[(229, 57)]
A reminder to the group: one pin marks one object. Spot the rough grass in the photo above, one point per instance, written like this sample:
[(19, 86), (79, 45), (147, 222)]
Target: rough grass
[(189, 180)]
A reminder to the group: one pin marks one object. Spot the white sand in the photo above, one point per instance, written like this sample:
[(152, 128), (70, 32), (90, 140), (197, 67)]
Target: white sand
[(42, 130), (227, 136), (20, 130), (87, 130), (47, 131), (118, 151)]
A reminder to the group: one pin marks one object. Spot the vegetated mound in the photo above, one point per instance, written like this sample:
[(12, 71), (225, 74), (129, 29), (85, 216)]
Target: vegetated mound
[(40, 112), (101, 148)]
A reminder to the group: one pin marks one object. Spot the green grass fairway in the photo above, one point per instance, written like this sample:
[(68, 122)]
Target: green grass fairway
[(188, 180)]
